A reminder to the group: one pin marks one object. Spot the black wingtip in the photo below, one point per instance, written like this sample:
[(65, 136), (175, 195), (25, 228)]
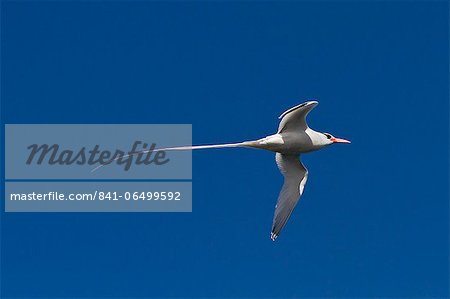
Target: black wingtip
[(309, 102), (273, 236)]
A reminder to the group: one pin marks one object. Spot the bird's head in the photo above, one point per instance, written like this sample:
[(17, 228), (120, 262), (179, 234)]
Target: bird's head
[(330, 139)]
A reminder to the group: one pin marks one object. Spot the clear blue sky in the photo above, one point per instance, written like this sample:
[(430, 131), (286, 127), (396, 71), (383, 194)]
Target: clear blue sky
[(374, 219)]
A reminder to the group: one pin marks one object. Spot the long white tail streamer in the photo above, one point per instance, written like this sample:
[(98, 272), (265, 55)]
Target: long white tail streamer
[(180, 148)]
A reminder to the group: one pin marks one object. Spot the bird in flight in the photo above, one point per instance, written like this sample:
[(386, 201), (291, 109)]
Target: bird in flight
[(293, 138)]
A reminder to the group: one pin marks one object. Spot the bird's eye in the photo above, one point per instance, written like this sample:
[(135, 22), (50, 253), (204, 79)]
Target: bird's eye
[(327, 135)]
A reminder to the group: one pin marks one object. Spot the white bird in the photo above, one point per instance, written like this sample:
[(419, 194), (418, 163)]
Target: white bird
[(293, 138)]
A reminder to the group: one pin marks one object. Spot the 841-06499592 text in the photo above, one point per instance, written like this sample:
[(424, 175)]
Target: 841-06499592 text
[(155, 195)]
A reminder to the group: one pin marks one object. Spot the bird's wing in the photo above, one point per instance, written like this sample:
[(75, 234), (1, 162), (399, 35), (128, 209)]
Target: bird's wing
[(295, 176), (295, 118)]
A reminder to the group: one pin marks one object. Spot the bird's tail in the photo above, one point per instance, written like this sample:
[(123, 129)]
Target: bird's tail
[(186, 148), (207, 146)]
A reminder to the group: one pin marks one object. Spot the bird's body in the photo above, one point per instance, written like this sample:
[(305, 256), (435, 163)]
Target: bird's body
[(293, 138), (289, 142)]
